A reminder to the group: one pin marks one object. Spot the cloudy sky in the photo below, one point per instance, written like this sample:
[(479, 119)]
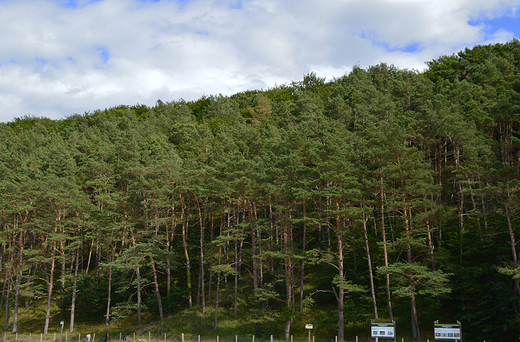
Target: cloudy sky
[(60, 57)]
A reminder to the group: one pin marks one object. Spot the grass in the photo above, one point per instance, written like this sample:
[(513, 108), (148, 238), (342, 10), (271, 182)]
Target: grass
[(189, 323)]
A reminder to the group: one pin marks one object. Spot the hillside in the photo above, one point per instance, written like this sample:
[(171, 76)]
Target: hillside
[(383, 194)]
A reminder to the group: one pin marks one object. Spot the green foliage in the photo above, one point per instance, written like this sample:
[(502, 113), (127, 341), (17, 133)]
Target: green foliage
[(275, 189), (415, 280)]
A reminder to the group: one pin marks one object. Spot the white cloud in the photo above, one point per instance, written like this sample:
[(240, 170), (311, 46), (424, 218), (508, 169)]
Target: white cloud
[(57, 60)]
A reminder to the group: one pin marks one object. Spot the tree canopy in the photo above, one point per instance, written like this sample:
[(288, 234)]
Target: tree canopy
[(380, 191)]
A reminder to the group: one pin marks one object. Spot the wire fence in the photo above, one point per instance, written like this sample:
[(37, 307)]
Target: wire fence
[(149, 337)]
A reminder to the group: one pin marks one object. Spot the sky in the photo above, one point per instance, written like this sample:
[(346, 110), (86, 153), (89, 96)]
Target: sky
[(65, 57)]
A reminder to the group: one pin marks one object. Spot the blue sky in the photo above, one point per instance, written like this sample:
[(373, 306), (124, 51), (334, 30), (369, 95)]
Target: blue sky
[(61, 57)]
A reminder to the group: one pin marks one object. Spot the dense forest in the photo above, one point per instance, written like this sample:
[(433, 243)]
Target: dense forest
[(384, 194)]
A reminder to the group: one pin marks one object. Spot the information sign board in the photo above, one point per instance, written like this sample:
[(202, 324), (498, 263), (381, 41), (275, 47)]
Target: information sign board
[(383, 330), (447, 332)]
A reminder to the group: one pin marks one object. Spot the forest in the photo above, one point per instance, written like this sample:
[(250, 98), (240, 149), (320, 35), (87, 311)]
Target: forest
[(382, 195)]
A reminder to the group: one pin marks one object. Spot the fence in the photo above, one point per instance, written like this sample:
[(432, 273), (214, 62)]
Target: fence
[(120, 337)]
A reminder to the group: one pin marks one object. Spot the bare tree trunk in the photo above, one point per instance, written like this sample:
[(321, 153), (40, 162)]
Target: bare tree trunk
[(168, 246), (287, 329), (139, 317), (235, 290), (210, 277), (186, 255), (9, 284), (302, 273), (18, 284), (460, 200), (31, 288), (157, 293), (415, 320), (289, 266), (218, 290), (98, 257), (109, 299), (341, 292), (89, 256), (254, 249), (385, 253), (16, 298), (139, 286), (4, 271), (74, 292), (416, 334), (511, 233), (512, 238), (218, 273), (50, 284), (370, 271), (110, 259), (201, 273), (237, 271)]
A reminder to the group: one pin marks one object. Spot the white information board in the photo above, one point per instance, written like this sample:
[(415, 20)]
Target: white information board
[(383, 330), (447, 332)]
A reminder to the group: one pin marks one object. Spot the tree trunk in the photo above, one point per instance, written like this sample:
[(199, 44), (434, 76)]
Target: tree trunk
[(287, 329), (370, 272), (74, 288), (210, 277), (416, 335), (302, 273), (50, 284), (98, 257), (254, 257), (109, 299), (62, 275), (513, 240), (9, 284), (235, 290), (138, 275), (18, 284), (157, 292), (110, 259), (186, 255), (385, 253), (201, 273), (139, 286), (289, 266), (218, 290), (168, 243), (4, 271), (341, 275), (31, 288), (89, 256)]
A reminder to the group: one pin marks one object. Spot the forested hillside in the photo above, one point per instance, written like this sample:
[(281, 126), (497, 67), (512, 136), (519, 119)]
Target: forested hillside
[(383, 194)]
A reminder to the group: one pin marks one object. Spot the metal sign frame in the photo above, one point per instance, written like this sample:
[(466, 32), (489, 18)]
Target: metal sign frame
[(447, 332)]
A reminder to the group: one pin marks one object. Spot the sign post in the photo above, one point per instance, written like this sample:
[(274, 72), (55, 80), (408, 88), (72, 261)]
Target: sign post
[(309, 327), (61, 333), (448, 332)]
